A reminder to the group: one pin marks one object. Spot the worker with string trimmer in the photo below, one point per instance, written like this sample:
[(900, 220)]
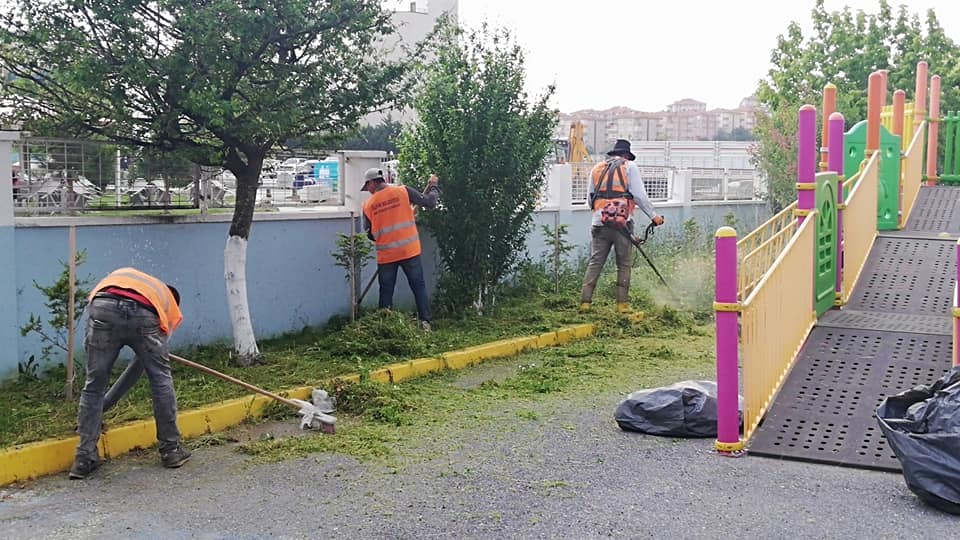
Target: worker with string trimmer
[(616, 191)]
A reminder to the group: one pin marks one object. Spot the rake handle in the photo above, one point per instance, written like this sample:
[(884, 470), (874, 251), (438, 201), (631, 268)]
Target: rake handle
[(238, 382)]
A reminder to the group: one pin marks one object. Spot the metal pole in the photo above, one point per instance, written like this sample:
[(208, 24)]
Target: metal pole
[(116, 181)]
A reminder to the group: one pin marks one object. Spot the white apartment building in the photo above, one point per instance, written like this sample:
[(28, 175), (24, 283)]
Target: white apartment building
[(683, 120)]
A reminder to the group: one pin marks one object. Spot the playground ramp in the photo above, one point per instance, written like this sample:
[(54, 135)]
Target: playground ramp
[(893, 333)]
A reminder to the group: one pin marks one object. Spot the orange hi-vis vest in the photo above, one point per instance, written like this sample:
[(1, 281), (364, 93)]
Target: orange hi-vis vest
[(150, 288), (610, 183), (392, 224)]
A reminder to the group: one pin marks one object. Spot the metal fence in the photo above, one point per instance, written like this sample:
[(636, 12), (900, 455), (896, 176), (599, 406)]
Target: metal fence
[(71, 175), (656, 180), (724, 184)]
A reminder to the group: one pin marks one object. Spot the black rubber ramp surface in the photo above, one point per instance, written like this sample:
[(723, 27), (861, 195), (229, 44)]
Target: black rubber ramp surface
[(825, 411), (893, 334), (936, 213)]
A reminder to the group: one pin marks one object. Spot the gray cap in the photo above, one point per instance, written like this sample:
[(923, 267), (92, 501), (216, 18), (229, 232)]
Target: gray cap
[(372, 174)]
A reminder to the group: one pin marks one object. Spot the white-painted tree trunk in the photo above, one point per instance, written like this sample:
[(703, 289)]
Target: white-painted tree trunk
[(235, 274)]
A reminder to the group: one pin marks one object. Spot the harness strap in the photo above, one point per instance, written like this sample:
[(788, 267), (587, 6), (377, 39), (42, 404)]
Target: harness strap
[(613, 168)]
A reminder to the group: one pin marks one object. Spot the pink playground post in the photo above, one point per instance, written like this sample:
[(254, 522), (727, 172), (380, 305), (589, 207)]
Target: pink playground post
[(884, 78), (727, 313), (933, 131), (920, 96), (806, 161), (899, 102), (956, 313), (836, 127), (874, 108), (829, 107)]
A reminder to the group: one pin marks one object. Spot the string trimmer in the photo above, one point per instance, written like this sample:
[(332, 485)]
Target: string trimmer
[(310, 415), (639, 242)]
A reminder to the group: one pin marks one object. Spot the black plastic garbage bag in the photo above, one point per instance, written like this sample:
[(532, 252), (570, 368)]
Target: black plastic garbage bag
[(683, 409), (922, 426)]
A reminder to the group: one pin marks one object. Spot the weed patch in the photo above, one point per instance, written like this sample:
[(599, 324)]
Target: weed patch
[(32, 406), (376, 401)]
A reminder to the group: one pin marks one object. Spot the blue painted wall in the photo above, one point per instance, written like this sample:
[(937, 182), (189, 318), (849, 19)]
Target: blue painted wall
[(292, 281), (709, 217), (9, 329)]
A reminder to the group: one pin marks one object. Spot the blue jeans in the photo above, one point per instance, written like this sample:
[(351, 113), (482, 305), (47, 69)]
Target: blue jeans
[(413, 269), (112, 324)]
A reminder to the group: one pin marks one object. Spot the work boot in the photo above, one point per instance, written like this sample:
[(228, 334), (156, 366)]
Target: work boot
[(627, 313), (82, 467), (584, 307), (425, 326), (175, 458)]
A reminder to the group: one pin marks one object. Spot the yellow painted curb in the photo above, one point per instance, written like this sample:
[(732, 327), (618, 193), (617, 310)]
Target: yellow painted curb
[(32, 460)]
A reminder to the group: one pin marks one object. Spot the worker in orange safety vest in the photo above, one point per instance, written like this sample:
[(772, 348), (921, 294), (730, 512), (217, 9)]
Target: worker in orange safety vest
[(390, 222), (129, 308)]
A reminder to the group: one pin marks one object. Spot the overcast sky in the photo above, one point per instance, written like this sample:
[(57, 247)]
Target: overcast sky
[(709, 50)]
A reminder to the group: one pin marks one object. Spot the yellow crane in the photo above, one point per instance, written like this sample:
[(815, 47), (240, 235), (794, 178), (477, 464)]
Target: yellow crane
[(578, 149)]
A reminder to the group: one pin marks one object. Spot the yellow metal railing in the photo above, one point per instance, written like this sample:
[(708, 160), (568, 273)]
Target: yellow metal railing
[(911, 173), (886, 120), (761, 247), (776, 318), (908, 126), (886, 117), (860, 223)]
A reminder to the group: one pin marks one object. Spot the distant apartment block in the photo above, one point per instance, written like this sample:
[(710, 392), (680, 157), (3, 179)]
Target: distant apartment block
[(683, 120)]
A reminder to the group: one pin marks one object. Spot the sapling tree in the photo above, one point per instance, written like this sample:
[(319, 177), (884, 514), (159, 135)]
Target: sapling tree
[(487, 140), (53, 332), (353, 253)]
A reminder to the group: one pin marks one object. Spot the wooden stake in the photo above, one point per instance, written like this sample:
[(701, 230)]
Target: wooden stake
[(71, 309), (353, 269)]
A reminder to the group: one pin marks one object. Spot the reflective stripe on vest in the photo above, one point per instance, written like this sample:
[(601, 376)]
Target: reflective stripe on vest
[(398, 243), (150, 288), (392, 228), (392, 224)]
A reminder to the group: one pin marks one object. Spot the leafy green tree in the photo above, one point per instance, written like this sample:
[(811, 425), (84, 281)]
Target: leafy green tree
[(219, 82), (481, 134), (844, 48), (383, 136)]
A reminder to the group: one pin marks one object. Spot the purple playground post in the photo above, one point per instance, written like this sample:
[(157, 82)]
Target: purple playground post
[(727, 311), (835, 155), (806, 161)]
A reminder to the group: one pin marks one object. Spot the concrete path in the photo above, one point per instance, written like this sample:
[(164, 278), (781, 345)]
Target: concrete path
[(571, 473)]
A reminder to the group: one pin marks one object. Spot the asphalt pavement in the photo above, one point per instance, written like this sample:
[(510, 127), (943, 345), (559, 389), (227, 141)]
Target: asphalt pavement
[(568, 473)]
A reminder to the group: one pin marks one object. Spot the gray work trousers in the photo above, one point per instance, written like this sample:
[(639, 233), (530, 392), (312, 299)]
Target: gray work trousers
[(604, 238), (112, 324)]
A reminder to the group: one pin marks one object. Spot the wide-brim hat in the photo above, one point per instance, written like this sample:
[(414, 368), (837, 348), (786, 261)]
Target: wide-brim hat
[(622, 146)]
